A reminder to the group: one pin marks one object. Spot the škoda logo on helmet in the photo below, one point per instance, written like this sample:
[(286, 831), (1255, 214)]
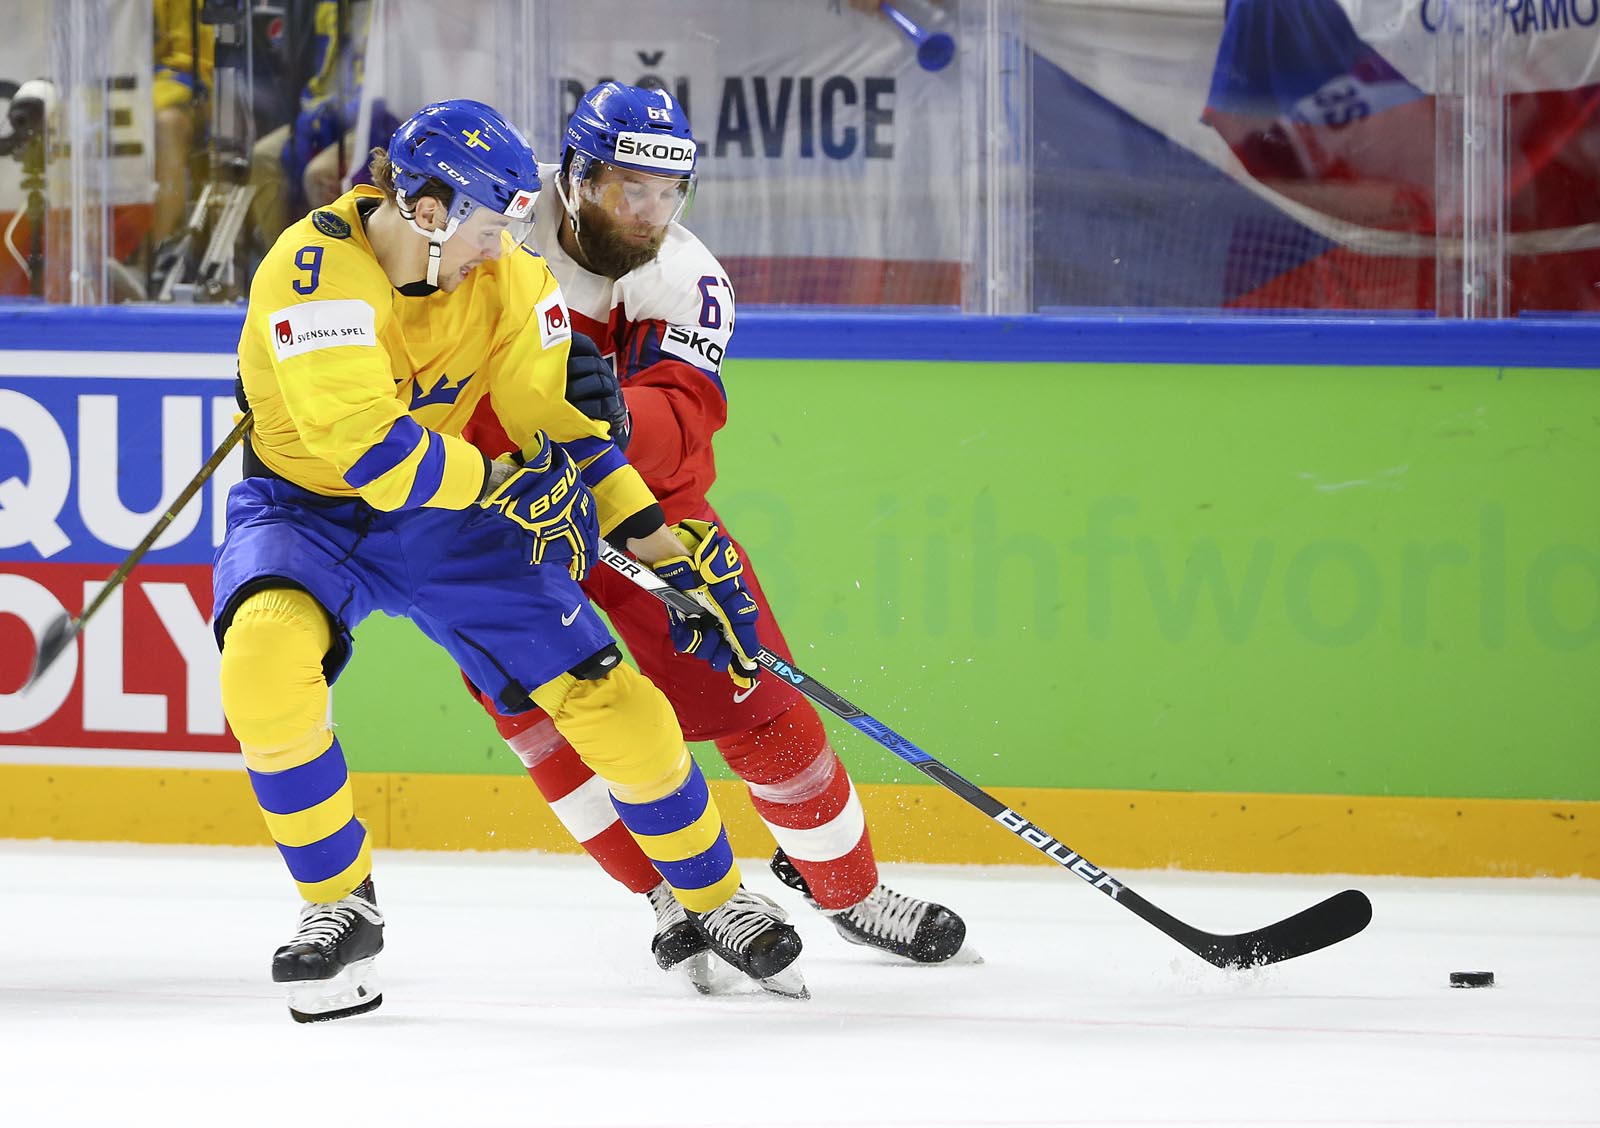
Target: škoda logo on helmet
[(672, 154)]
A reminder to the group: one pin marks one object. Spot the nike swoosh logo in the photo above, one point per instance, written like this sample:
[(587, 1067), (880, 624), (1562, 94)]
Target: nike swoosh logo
[(566, 620), (739, 695)]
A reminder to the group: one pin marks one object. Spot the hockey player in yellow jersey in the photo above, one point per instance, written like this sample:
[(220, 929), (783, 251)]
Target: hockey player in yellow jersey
[(374, 328)]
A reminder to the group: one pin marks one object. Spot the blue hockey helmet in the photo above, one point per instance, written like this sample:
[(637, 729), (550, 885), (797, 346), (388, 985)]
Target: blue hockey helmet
[(473, 150), (631, 127)]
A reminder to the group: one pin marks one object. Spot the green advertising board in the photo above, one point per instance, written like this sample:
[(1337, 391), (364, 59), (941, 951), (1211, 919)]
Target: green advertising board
[(1170, 577)]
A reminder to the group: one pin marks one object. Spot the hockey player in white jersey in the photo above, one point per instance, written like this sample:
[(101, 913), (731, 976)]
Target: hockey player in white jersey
[(660, 309)]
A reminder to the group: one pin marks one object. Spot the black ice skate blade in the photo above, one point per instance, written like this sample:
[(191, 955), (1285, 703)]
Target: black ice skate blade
[(371, 1004)]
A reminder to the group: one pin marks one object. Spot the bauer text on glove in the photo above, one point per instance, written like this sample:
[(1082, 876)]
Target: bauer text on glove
[(546, 497)]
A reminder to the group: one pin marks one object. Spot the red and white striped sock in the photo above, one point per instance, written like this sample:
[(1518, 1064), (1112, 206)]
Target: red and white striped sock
[(580, 799), (805, 796)]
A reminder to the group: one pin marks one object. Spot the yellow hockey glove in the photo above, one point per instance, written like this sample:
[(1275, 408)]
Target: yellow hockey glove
[(546, 497)]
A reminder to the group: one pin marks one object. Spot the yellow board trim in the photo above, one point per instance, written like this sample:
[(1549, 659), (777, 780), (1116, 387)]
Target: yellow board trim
[(1219, 831)]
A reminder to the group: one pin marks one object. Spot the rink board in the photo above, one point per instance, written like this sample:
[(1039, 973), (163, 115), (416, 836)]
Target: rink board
[(1204, 831), (1082, 579)]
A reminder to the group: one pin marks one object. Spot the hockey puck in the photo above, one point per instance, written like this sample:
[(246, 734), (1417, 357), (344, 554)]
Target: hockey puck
[(1472, 979)]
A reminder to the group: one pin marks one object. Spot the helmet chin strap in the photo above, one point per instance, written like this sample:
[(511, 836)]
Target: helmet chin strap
[(435, 253), (569, 205), (436, 237)]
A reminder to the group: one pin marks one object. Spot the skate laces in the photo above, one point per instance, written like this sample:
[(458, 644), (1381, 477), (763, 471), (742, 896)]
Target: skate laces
[(324, 923), (669, 913), (888, 914), (741, 918)]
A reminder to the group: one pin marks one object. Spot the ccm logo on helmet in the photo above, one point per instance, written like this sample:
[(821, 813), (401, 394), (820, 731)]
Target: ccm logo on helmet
[(452, 173), (671, 153)]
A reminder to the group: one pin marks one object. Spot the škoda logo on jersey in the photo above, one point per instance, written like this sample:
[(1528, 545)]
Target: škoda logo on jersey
[(689, 343), (670, 154)]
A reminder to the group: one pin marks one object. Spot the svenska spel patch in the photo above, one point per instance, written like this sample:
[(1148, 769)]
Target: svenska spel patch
[(310, 326)]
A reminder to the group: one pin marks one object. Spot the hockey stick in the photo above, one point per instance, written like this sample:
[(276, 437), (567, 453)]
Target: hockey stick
[(1327, 922), (60, 633)]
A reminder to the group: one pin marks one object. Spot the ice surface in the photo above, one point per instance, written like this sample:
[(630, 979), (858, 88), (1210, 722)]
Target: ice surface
[(519, 990)]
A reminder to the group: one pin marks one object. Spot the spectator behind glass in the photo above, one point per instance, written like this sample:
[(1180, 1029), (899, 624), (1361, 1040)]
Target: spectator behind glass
[(301, 165), (182, 84)]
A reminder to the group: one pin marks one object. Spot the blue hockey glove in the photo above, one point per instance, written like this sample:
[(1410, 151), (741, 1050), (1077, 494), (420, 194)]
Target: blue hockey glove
[(713, 575), (593, 388), (546, 497)]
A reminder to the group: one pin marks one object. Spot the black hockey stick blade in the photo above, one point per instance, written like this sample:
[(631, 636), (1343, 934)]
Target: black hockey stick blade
[(1322, 925), (57, 637), (1328, 922)]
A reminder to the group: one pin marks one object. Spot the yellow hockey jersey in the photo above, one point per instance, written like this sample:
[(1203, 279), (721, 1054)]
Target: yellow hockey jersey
[(358, 390)]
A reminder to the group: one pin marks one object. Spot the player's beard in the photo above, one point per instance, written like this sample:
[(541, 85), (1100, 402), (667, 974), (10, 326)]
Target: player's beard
[(606, 249)]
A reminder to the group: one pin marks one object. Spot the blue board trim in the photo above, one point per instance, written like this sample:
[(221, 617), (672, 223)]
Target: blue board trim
[(181, 329), (1146, 338), (811, 334)]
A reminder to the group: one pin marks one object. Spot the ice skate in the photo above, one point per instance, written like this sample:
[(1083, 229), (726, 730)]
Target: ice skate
[(327, 967), (751, 933), (892, 922), (677, 939)]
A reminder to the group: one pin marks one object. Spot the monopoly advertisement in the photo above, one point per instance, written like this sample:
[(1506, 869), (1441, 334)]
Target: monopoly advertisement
[(93, 448)]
